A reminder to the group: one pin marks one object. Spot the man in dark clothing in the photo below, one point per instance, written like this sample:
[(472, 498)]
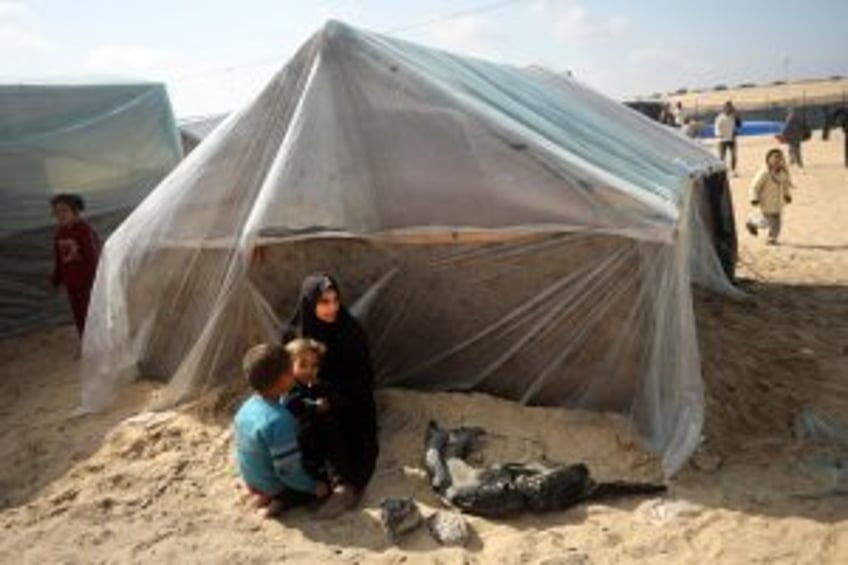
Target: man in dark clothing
[(838, 118), (795, 131)]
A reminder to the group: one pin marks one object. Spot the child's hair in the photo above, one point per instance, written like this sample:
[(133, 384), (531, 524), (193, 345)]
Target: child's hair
[(263, 363), (773, 151), (304, 344), (74, 201)]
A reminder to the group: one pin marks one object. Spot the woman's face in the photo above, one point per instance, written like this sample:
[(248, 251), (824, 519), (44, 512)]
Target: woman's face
[(327, 308)]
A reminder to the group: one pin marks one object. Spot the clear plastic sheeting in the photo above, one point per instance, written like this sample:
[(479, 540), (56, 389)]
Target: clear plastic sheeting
[(194, 130), (496, 228), (112, 144)]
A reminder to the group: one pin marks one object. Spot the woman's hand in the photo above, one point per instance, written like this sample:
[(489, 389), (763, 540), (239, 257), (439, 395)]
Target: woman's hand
[(322, 405)]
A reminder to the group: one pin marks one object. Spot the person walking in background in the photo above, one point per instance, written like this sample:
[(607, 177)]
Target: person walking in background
[(770, 191), (679, 114), (691, 127), (795, 131), (667, 115), (76, 251), (837, 119), (726, 126)]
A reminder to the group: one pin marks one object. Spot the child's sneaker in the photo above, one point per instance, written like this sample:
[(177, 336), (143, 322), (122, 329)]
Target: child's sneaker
[(752, 228)]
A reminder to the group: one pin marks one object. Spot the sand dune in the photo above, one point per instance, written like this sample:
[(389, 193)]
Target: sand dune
[(131, 486)]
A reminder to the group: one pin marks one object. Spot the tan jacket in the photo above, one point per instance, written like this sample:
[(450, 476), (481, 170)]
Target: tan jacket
[(771, 190)]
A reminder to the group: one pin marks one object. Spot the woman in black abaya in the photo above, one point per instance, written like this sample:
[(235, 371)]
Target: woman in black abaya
[(349, 429)]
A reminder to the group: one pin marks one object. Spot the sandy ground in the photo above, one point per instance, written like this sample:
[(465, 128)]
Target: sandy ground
[(160, 488)]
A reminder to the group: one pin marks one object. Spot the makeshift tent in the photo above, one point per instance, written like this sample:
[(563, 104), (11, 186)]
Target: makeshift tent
[(110, 143), (499, 229), (194, 130)]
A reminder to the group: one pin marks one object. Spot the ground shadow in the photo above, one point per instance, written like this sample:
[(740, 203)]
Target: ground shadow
[(812, 247), (765, 358), (362, 529)]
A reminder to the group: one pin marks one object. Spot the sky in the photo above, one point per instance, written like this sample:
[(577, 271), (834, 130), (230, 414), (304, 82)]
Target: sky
[(215, 55)]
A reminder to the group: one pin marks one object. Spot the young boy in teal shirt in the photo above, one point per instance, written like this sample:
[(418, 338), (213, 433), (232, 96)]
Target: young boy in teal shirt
[(267, 452)]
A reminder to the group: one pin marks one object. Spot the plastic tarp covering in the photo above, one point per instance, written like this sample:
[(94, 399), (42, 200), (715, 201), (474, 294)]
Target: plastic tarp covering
[(112, 144), (194, 130), (496, 228)]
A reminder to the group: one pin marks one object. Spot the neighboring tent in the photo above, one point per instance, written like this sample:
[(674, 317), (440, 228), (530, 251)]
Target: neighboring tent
[(194, 130), (654, 109), (110, 143), (500, 230)]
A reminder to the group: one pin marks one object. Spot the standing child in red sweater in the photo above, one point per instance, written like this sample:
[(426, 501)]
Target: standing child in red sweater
[(76, 249)]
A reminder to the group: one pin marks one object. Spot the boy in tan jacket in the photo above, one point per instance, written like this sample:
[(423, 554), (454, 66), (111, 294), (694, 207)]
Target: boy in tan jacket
[(770, 191)]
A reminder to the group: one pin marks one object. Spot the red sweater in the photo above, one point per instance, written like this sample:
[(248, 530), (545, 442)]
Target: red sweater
[(76, 249)]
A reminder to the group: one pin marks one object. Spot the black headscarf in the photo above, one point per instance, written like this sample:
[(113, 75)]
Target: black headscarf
[(304, 322), (346, 367)]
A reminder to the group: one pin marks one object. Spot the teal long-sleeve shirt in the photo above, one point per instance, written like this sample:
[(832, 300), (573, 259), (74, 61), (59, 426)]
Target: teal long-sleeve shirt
[(267, 453)]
